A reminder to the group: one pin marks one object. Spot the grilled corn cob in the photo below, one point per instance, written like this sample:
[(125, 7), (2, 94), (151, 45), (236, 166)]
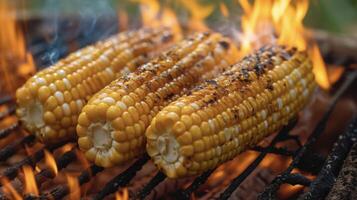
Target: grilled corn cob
[(49, 103), (226, 115), (111, 126)]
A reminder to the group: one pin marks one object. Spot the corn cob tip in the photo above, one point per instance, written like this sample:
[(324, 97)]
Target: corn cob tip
[(33, 115), (96, 135), (169, 139), (31, 111)]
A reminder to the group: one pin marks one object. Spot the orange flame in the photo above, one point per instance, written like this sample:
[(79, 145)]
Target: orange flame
[(123, 195), (123, 20), (30, 183), (256, 24), (319, 69), (198, 13), (288, 22), (51, 162), (65, 148), (224, 10), (74, 188), (153, 15), (334, 73), (281, 22), (15, 61), (9, 190)]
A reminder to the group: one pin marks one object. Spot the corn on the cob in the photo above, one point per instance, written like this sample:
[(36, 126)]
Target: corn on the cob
[(111, 126), (49, 103), (230, 113)]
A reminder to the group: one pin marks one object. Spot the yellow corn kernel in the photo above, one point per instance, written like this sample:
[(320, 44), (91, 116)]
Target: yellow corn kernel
[(251, 100), (143, 93), (62, 89)]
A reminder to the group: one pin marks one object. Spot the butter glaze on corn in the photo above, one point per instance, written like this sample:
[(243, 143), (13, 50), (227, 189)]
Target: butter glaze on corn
[(226, 115), (49, 103), (111, 126)]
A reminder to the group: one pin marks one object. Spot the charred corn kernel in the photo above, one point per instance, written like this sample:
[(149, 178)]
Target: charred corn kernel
[(254, 98), (140, 95), (62, 89)]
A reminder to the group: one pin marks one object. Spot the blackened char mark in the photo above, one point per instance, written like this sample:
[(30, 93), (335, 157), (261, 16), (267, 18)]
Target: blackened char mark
[(269, 85), (167, 37), (224, 44), (212, 82), (169, 96)]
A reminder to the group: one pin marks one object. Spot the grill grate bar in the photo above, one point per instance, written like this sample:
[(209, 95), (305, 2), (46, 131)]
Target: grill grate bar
[(329, 172), (12, 172), (12, 148), (274, 150), (311, 162), (200, 180), (9, 111), (6, 131), (146, 190), (239, 179), (64, 160), (123, 178), (5, 99), (297, 179), (60, 191), (270, 191)]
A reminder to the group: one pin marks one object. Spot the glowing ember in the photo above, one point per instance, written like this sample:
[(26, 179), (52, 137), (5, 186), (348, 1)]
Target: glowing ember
[(16, 64), (123, 195), (74, 188), (51, 162), (9, 190), (30, 183)]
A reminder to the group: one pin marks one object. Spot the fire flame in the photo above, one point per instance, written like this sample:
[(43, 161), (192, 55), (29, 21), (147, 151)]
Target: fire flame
[(198, 13), (123, 20), (123, 195), (281, 22), (51, 162), (224, 10), (9, 190), (15, 61), (74, 188), (30, 183), (334, 73), (153, 15), (320, 72), (65, 148)]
